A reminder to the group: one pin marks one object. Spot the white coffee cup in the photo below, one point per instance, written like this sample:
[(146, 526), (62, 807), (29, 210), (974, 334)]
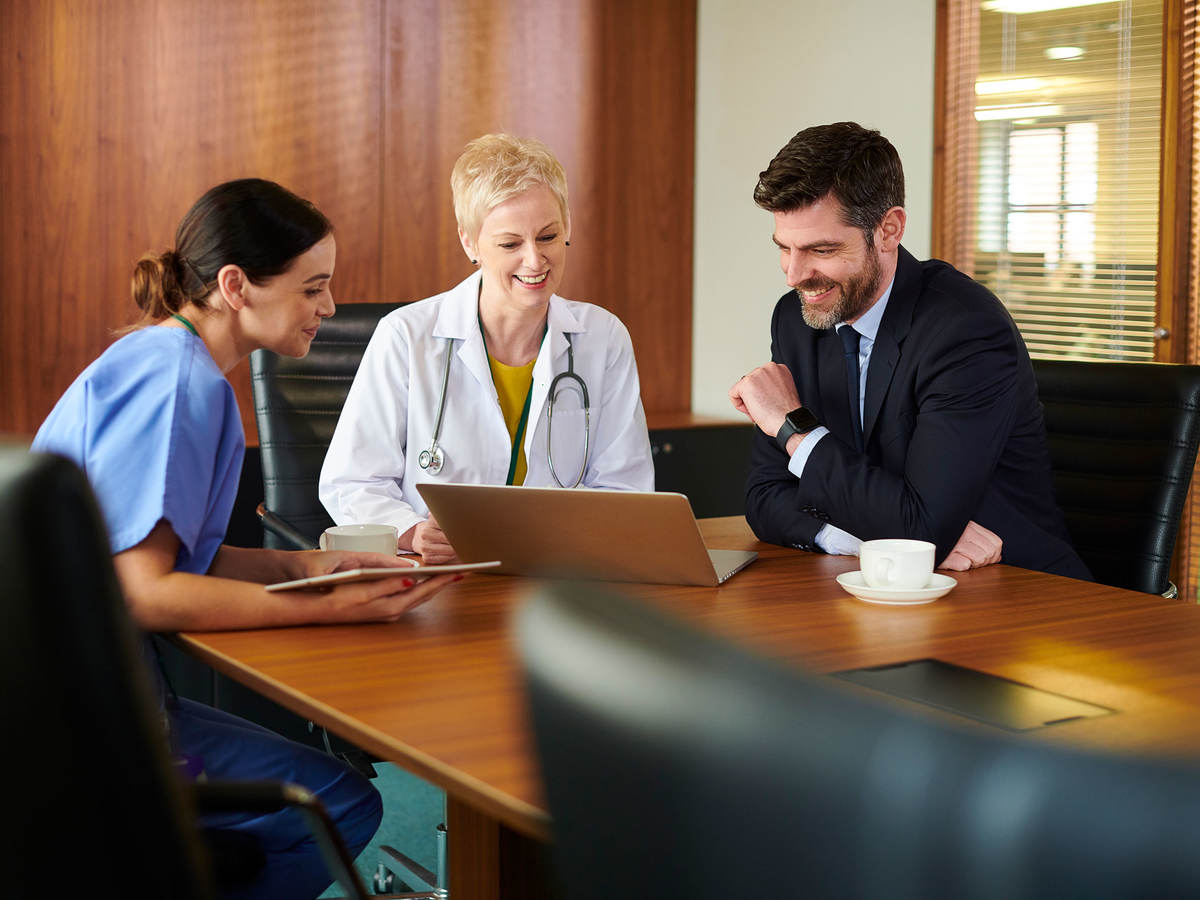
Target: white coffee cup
[(360, 538), (896, 563)]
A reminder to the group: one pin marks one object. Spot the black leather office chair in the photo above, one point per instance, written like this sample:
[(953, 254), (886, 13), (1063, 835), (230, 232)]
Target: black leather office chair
[(90, 794), (1123, 440), (297, 403), (296, 406), (676, 765)]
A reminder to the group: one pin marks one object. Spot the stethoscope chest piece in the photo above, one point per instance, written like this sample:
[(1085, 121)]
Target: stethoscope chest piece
[(432, 460)]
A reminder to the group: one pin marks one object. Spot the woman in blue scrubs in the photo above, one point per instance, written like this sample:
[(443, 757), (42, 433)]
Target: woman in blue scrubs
[(154, 424)]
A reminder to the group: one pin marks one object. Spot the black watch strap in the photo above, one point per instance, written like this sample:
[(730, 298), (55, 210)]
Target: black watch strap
[(798, 421)]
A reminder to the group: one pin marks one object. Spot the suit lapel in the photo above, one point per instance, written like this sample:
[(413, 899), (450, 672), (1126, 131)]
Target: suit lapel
[(885, 355)]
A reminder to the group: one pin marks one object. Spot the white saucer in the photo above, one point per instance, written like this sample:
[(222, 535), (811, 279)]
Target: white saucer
[(939, 586)]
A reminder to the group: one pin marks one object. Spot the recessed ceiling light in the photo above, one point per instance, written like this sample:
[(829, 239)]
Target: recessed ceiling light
[(1063, 52), (1009, 86), (992, 113), (1020, 7)]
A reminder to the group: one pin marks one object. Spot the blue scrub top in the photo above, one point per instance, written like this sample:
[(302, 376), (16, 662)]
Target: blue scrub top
[(155, 427)]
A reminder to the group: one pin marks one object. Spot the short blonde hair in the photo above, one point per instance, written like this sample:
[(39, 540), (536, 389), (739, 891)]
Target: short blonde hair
[(495, 168)]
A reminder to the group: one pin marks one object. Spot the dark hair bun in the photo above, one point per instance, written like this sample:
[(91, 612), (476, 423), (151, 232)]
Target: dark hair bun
[(156, 285)]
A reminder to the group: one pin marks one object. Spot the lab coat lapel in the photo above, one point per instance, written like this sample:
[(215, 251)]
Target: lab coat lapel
[(459, 319)]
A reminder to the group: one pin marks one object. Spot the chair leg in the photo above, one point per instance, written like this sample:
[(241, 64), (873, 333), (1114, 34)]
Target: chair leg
[(397, 868)]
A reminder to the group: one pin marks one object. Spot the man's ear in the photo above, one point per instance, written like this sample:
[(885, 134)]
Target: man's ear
[(232, 282), (891, 229)]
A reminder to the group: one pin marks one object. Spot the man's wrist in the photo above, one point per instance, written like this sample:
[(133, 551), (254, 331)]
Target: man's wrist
[(797, 423)]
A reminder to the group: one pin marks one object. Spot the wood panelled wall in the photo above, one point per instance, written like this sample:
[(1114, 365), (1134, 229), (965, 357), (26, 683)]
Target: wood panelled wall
[(115, 117)]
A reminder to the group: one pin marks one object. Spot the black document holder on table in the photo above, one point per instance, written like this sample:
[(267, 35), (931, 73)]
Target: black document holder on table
[(976, 695)]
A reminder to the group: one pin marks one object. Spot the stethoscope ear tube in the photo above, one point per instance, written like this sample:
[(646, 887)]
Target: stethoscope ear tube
[(433, 459)]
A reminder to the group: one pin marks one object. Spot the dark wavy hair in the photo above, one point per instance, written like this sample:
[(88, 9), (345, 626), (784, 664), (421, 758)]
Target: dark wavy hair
[(858, 166), (252, 223)]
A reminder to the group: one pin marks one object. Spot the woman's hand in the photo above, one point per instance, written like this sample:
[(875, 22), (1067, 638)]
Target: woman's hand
[(386, 600), (428, 539), (308, 563)]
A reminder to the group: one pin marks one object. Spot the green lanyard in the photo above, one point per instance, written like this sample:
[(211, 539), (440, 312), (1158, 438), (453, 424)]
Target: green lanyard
[(186, 324), (519, 436)]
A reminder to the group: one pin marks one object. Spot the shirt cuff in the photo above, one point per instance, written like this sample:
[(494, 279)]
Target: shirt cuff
[(833, 540), (807, 443)]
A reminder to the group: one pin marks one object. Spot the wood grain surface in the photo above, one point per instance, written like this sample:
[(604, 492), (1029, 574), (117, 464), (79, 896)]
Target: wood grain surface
[(439, 693), (115, 117), (610, 87)]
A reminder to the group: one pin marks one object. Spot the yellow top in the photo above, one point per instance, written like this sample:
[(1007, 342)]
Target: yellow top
[(513, 384)]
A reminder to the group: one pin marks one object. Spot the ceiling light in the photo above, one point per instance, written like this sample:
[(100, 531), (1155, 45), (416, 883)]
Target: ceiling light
[(992, 113), (1019, 7), (1063, 52), (1009, 86)]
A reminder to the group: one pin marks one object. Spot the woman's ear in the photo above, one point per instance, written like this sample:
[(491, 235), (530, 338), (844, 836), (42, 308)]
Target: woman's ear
[(468, 247), (232, 282)]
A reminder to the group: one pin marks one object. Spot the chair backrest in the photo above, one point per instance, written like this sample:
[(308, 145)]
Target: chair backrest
[(89, 796), (296, 405), (1123, 440), (676, 765)]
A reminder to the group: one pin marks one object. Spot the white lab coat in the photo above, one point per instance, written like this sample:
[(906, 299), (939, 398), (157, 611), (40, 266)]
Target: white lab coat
[(371, 470)]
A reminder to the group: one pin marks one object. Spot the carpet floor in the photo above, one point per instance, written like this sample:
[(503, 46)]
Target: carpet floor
[(412, 810)]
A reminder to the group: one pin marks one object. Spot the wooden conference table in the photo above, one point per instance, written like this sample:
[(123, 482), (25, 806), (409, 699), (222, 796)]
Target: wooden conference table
[(439, 693)]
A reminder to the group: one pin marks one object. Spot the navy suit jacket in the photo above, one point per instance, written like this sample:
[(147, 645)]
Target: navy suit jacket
[(952, 427)]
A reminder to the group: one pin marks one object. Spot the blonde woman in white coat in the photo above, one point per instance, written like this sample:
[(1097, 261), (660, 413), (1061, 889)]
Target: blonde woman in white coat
[(482, 358)]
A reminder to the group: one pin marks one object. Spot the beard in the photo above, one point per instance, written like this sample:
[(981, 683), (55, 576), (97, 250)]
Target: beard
[(855, 295)]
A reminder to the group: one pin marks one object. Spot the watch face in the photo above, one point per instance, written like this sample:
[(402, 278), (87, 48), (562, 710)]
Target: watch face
[(798, 421), (802, 420)]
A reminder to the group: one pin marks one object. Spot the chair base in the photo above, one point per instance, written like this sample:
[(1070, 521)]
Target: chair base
[(397, 869)]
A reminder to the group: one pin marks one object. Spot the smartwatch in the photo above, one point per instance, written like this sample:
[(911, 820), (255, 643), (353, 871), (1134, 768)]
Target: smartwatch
[(798, 421)]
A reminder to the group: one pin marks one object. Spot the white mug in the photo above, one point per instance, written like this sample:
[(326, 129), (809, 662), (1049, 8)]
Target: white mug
[(896, 563), (360, 538)]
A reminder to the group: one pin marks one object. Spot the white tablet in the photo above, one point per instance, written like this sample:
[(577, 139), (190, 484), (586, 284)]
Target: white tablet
[(351, 575)]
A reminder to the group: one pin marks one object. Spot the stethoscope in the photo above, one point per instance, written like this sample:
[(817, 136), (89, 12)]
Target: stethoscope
[(433, 459)]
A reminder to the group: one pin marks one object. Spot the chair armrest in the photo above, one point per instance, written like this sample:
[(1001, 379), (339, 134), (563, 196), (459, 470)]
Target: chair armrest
[(272, 796), (283, 528)]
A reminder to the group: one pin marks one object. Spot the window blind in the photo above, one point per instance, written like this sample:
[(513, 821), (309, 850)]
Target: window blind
[(1067, 118)]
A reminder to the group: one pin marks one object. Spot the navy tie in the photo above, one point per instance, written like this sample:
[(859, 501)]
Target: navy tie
[(850, 347)]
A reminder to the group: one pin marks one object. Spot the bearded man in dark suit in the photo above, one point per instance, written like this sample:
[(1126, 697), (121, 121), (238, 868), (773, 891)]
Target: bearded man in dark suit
[(923, 420)]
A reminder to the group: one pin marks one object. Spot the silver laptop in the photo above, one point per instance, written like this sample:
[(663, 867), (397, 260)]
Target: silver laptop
[(580, 533)]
